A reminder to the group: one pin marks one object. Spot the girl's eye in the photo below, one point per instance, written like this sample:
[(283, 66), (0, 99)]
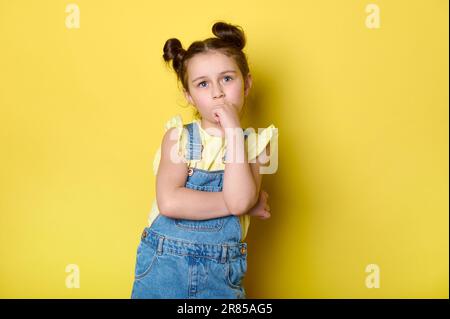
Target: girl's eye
[(227, 76)]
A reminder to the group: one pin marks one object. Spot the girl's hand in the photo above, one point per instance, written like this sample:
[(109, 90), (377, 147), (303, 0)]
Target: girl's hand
[(261, 208), (226, 115)]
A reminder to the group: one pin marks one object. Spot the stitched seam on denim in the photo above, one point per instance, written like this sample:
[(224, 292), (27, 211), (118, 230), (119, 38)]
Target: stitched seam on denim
[(177, 241), (144, 274), (217, 171), (228, 277), (233, 247), (204, 188), (194, 148), (199, 228)]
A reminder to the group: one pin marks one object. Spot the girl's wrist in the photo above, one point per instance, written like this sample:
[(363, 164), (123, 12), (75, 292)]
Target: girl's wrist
[(230, 132), (235, 140)]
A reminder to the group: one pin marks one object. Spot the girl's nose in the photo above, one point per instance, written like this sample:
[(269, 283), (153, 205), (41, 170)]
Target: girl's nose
[(219, 96), (218, 93)]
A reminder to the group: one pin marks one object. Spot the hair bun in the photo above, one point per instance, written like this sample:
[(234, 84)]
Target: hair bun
[(173, 50), (229, 33)]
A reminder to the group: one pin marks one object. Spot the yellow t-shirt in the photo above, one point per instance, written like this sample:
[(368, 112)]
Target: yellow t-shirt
[(214, 149)]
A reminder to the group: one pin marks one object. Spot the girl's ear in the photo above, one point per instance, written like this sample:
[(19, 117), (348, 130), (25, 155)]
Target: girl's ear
[(188, 97), (248, 84)]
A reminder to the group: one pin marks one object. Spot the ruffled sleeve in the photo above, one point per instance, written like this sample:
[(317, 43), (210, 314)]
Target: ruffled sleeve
[(175, 121), (258, 140)]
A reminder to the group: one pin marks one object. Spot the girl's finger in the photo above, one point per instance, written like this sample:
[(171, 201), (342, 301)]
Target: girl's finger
[(217, 116)]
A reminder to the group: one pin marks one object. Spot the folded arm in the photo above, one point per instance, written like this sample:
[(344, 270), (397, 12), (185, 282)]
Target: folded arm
[(176, 201)]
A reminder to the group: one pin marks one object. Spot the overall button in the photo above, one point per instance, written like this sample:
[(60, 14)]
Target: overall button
[(190, 171), (243, 250), (144, 234)]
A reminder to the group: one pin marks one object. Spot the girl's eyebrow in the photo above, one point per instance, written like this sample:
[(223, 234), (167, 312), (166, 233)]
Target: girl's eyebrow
[(201, 77)]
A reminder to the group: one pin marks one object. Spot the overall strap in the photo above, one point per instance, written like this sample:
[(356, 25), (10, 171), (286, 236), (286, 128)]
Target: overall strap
[(194, 147)]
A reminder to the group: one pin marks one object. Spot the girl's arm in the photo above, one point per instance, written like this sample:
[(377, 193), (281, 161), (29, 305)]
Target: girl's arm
[(240, 186), (261, 160), (176, 201)]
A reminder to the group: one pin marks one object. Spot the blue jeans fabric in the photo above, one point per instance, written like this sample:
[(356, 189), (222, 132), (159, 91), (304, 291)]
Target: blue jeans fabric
[(183, 259)]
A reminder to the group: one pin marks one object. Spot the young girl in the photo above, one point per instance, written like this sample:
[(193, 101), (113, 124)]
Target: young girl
[(208, 178)]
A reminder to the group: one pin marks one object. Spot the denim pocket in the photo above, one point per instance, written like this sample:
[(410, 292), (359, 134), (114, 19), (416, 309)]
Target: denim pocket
[(236, 270), (145, 259), (207, 225), (204, 188)]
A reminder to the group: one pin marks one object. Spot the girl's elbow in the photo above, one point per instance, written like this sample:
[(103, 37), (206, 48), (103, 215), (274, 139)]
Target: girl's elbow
[(165, 208), (239, 204), (238, 211), (167, 202), (240, 207)]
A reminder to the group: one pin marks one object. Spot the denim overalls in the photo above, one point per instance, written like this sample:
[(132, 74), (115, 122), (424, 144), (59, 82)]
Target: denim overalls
[(181, 259)]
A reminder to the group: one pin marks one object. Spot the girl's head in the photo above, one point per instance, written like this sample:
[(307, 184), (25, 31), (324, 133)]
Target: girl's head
[(213, 70)]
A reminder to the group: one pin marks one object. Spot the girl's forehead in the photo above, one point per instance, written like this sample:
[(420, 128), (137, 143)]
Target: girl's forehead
[(213, 62)]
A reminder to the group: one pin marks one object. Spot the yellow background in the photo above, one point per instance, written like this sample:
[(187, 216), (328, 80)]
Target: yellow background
[(363, 142)]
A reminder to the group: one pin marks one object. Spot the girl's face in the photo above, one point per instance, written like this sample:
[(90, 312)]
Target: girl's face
[(214, 78)]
